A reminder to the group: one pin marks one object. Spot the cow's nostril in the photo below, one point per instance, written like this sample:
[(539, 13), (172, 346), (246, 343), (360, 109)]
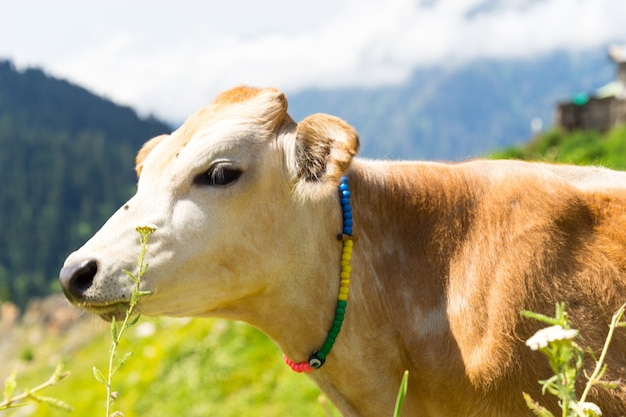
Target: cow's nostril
[(77, 279)]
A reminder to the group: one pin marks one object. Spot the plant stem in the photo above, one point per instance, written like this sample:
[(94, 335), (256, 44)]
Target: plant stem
[(599, 364), (16, 400), (116, 340), (144, 232)]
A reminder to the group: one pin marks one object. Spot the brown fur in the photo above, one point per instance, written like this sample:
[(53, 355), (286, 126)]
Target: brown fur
[(480, 249), (145, 151)]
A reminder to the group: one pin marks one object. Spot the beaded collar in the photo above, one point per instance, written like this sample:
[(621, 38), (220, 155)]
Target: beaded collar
[(318, 357)]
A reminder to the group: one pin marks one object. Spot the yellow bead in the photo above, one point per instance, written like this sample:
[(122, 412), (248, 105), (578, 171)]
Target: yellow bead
[(345, 262), (344, 290), (347, 249), (348, 243), (345, 275), (342, 297), (345, 282), (346, 256), (346, 268)]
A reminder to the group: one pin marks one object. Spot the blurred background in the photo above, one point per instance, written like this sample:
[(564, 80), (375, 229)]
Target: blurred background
[(84, 84)]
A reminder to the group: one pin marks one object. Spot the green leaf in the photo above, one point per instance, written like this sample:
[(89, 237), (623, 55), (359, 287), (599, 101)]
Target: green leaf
[(537, 409), (540, 317), (10, 385), (121, 361), (610, 385), (133, 321), (59, 373), (99, 376), (401, 394), (114, 328), (131, 276), (53, 402)]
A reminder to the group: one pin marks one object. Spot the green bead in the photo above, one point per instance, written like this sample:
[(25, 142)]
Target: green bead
[(342, 303)]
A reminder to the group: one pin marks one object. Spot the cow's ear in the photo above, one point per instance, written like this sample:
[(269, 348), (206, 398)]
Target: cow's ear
[(144, 151), (323, 149)]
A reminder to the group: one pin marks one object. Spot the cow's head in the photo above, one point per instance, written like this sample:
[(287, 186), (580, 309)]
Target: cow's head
[(237, 194)]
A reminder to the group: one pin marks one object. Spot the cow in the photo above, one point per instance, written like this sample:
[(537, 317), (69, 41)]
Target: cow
[(443, 257)]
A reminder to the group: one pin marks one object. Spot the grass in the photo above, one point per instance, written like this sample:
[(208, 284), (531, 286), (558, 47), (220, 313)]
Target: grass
[(404, 384), (578, 147), (203, 367)]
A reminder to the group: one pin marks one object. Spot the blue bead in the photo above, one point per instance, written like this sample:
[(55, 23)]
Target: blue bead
[(347, 215), (346, 208), (343, 187), (345, 194), (345, 201), (347, 223), (347, 231)]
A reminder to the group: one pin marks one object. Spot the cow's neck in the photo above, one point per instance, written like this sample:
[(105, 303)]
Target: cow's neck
[(410, 220), (406, 232), (304, 284)]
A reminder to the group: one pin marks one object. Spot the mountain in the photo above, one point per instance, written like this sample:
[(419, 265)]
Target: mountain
[(457, 112), (67, 160)]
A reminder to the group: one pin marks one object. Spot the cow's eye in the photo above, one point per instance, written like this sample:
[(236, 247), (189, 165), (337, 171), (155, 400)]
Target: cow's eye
[(218, 175)]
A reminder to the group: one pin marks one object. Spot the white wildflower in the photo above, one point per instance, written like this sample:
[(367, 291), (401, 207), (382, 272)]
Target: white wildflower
[(550, 334), (145, 329), (590, 409)]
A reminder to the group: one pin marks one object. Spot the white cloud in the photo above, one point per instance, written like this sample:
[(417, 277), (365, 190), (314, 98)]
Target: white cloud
[(171, 60)]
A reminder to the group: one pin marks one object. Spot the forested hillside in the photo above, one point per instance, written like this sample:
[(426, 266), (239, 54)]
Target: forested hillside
[(66, 159)]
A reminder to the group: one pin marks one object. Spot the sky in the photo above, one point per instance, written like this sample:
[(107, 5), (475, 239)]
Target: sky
[(169, 58)]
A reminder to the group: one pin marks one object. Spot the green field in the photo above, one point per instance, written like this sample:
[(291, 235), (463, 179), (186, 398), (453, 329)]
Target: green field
[(199, 367), (580, 148)]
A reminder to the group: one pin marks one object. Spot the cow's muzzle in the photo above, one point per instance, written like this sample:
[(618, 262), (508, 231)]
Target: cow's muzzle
[(77, 279)]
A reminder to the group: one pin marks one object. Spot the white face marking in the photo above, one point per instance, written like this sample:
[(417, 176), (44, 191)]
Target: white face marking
[(236, 219), (213, 242)]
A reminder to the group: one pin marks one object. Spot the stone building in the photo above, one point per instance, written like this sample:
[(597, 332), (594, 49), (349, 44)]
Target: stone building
[(603, 109)]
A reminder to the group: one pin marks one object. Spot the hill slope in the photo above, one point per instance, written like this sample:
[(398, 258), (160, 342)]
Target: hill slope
[(67, 158), (190, 368), (580, 148)]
